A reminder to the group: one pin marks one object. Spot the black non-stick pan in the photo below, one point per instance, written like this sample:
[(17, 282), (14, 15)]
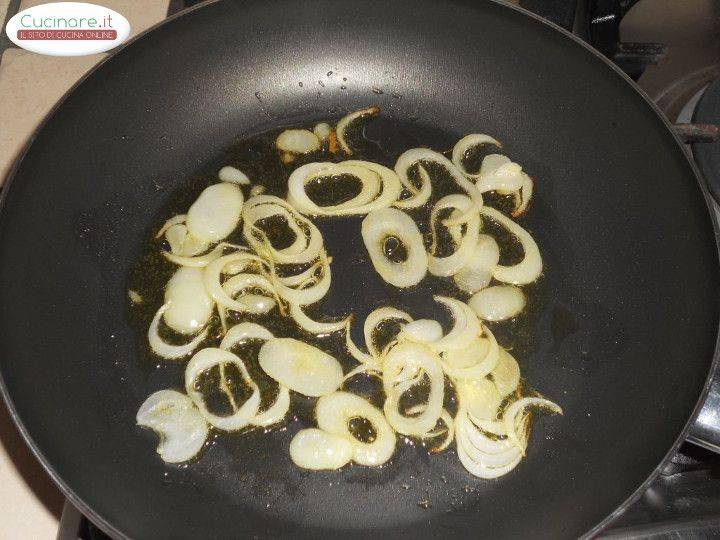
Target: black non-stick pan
[(624, 338)]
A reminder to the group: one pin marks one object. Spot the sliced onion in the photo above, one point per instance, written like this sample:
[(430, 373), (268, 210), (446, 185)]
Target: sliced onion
[(500, 174), (380, 187), (451, 264), (482, 456), (175, 236), (166, 350), (466, 326), (276, 412), (479, 398), (317, 450), (233, 175), (211, 357), (498, 303), (448, 431), (243, 332), (255, 303), (189, 306), (257, 189), (376, 227), (177, 421), (345, 121), (518, 407), (422, 331), (474, 361), (215, 213), (308, 244), (478, 269), (297, 141), (527, 270), (212, 277), (420, 357), (416, 155), (307, 292), (467, 143), (316, 327), (334, 413), (301, 367), (418, 196), (506, 374), (322, 131), (376, 318), (175, 220), (199, 261)]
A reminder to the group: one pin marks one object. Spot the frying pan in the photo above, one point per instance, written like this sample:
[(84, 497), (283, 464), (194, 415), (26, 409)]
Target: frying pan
[(624, 338)]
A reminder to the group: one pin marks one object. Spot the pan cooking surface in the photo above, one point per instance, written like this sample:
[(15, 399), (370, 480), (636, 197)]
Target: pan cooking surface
[(624, 334)]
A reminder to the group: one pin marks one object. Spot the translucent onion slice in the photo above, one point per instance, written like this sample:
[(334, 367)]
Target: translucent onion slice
[(243, 332), (175, 235), (211, 357), (345, 121), (418, 196), (498, 303), (466, 326), (177, 421), (377, 226), (276, 412), (233, 175), (309, 291), (479, 398), (518, 407), (422, 331), (477, 272), (256, 303), (380, 187), (503, 458), (297, 141), (468, 142), (419, 357), (334, 413), (474, 361), (199, 261), (500, 174), (317, 450), (316, 327), (322, 131), (166, 350), (416, 155), (506, 374), (215, 213), (257, 189), (448, 431), (301, 367), (373, 322), (527, 270), (451, 264), (212, 279), (305, 249), (189, 306), (175, 220)]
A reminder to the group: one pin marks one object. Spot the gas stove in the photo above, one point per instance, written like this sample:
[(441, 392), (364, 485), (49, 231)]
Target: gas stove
[(671, 48)]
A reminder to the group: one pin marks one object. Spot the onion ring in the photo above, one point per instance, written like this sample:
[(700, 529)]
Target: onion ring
[(376, 227)]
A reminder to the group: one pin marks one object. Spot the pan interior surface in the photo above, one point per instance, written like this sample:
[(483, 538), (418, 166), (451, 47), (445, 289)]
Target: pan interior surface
[(623, 340)]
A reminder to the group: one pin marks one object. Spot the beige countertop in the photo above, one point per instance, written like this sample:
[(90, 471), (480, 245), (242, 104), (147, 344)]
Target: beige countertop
[(31, 504)]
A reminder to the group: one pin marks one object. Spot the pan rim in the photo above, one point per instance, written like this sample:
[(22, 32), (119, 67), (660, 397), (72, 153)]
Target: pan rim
[(111, 529)]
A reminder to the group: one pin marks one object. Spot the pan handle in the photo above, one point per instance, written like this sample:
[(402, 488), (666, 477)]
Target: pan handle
[(598, 23)]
